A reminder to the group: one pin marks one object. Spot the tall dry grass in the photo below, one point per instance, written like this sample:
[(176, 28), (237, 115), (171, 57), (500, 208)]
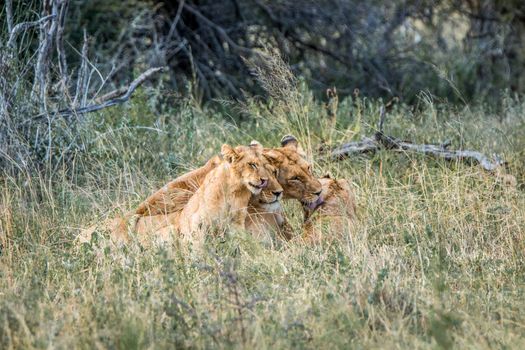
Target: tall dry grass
[(436, 258)]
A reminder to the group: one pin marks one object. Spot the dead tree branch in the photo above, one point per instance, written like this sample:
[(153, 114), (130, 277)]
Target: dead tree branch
[(62, 62), (82, 79), (20, 27), (381, 141), (440, 151), (9, 15), (47, 34), (366, 145), (108, 103)]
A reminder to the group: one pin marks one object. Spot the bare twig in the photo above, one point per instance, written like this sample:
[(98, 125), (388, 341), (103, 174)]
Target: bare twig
[(173, 26), (20, 27), (112, 94), (9, 15), (96, 107), (331, 105), (47, 34), (4, 89), (383, 110), (62, 62), (95, 97), (382, 116), (82, 74)]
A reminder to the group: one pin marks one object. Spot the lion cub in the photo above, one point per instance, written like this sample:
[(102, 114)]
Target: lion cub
[(333, 213), (225, 192)]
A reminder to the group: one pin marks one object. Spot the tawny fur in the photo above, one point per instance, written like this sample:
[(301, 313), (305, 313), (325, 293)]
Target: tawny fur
[(117, 227), (295, 172), (294, 175), (265, 213), (223, 197), (158, 211), (334, 216), (175, 194)]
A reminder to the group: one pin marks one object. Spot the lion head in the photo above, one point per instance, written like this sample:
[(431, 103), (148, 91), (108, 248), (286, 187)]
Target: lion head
[(248, 165), (271, 195), (295, 173), (337, 198)]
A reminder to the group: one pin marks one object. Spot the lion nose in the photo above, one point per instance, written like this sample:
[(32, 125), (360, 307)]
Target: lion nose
[(264, 183), (277, 193), (318, 193)]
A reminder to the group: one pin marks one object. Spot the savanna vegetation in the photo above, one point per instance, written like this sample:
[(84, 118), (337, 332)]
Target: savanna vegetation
[(436, 258)]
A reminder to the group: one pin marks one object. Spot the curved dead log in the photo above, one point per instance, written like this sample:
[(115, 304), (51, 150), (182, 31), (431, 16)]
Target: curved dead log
[(366, 145), (382, 141), (440, 151)]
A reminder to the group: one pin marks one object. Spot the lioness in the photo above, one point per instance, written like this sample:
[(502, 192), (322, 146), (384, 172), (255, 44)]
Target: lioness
[(226, 191), (239, 162), (294, 175), (159, 227), (175, 194), (265, 213), (335, 212)]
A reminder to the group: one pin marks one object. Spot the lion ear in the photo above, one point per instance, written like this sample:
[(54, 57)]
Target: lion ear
[(289, 141), (327, 176), (229, 153), (256, 145), (273, 157)]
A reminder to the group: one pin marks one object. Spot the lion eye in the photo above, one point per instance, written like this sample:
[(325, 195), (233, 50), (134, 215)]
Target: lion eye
[(253, 165), (295, 178)]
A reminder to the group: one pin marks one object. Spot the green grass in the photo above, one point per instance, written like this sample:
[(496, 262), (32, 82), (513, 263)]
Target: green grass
[(436, 259)]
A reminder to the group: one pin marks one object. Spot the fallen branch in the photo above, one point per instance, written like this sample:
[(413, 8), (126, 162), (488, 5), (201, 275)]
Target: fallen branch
[(108, 103), (381, 141), (366, 145), (440, 151)]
